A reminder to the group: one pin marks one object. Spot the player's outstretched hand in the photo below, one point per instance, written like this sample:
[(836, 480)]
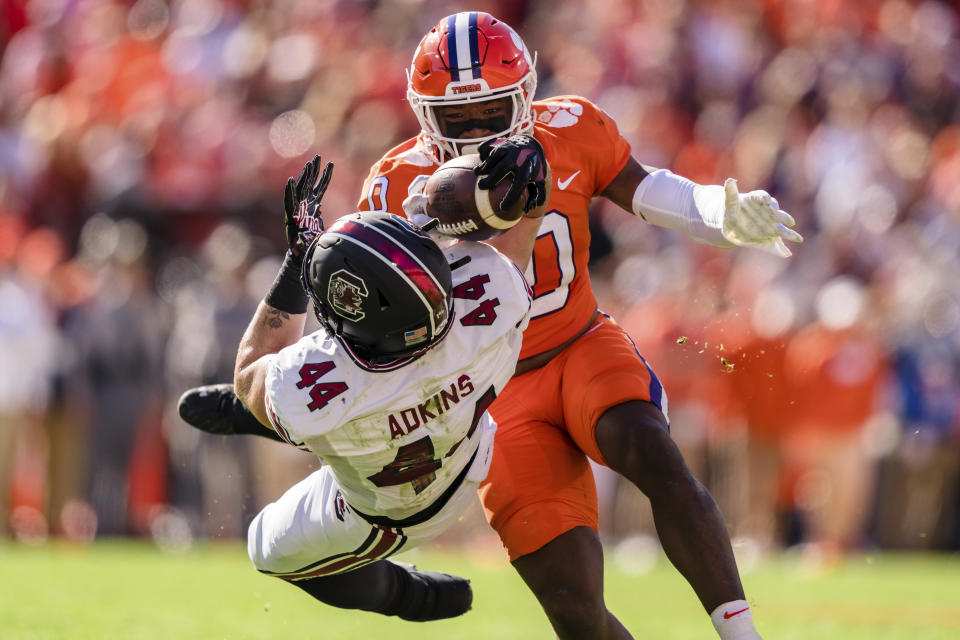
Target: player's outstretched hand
[(520, 155), (301, 205), (755, 219)]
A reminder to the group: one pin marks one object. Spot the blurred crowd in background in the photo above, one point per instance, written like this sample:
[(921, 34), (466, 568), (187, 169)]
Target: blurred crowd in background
[(143, 149)]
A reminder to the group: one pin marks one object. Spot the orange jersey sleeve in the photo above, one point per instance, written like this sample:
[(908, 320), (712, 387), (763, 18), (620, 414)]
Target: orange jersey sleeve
[(585, 151), (386, 186)]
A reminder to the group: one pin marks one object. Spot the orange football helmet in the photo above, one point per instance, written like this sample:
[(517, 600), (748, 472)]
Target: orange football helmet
[(470, 57)]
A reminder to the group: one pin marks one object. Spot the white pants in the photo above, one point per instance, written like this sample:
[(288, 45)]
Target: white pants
[(311, 531)]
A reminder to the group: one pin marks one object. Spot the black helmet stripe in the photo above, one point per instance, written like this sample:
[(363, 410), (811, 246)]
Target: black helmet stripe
[(398, 258)]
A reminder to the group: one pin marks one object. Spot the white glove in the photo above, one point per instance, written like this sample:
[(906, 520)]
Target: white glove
[(755, 220), (415, 205), (415, 208)]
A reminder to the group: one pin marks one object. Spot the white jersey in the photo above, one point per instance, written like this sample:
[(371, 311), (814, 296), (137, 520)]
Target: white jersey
[(396, 437)]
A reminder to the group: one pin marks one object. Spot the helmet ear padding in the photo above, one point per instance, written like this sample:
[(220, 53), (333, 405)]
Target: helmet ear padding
[(470, 57), (380, 285)]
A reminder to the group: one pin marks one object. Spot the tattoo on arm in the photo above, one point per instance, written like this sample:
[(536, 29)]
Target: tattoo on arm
[(275, 318)]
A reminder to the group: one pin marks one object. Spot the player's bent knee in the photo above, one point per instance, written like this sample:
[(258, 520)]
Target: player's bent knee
[(277, 546), (574, 614), (255, 548), (635, 441), (265, 550), (636, 430)]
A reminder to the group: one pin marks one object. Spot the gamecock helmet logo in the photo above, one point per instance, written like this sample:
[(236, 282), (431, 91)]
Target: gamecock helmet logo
[(346, 293)]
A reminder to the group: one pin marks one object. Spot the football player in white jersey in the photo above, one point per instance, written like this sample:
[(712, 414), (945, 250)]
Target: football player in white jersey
[(390, 392)]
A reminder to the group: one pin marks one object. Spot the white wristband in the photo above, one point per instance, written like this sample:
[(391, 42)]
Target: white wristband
[(668, 200)]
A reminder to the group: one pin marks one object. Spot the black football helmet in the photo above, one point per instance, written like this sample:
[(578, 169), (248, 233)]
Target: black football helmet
[(381, 285)]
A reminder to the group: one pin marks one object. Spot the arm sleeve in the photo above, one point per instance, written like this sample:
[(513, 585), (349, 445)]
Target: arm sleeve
[(389, 179), (274, 404), (668, 200)]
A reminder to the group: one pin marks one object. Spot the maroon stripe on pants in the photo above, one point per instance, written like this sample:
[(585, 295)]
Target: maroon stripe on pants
[(386, 543)]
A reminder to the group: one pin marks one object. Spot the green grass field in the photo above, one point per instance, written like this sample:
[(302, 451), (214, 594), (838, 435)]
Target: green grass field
[(131, 591)]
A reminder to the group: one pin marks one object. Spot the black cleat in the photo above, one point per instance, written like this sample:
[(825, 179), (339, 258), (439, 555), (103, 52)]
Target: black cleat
[(216, 409), (208, 408), (444, 596)]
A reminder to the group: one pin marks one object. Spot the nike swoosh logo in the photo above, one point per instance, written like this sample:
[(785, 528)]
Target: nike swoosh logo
[(729, 614), (562, 184)]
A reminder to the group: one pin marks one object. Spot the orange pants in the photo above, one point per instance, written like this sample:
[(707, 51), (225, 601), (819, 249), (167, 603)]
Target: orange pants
[(540, 484)]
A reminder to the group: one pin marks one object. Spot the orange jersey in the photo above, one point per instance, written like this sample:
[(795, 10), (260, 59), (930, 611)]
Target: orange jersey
[(586, 152)]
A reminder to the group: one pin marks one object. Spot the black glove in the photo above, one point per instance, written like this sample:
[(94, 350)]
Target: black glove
[(520, 155), (301, 206)]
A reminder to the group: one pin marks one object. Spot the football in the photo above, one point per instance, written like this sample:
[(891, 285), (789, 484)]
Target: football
[(463, 209)]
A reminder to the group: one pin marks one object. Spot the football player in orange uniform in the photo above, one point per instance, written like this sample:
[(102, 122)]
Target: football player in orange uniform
[(581, 389)]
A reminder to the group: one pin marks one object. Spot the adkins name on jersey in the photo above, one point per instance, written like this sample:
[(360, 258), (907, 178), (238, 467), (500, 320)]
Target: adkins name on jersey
[(396, 438)]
